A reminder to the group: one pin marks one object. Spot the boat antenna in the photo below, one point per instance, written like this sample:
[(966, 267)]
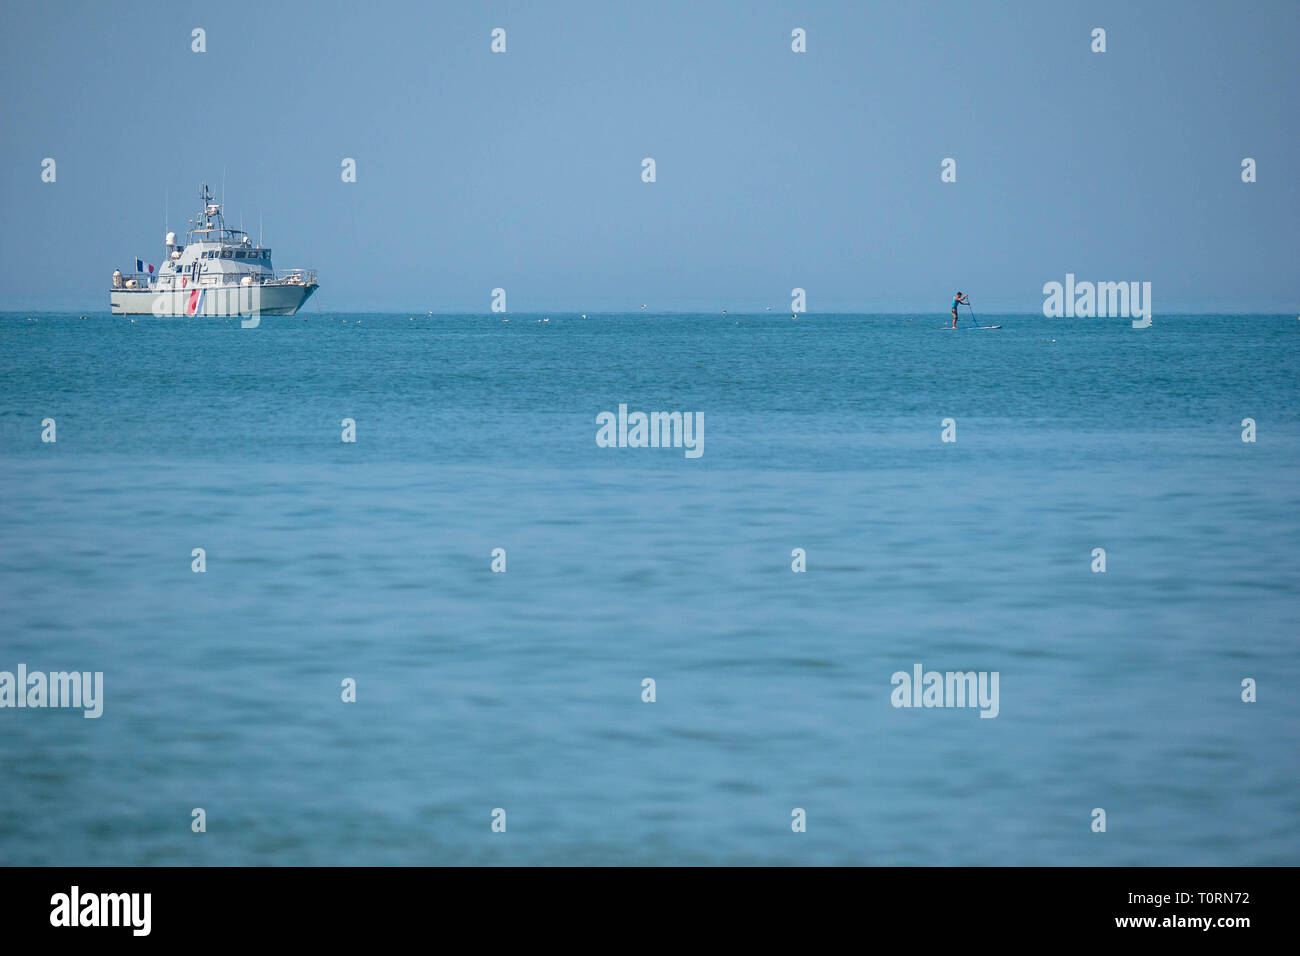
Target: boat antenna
[(259, 228)]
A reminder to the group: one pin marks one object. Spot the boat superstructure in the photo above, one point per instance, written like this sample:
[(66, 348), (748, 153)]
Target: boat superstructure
[(216, 271)]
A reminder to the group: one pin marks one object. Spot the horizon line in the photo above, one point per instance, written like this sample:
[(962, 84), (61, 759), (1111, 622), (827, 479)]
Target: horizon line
[(666, 311)]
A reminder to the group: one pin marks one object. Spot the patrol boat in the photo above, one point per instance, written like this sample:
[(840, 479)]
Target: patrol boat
[(216, 271)]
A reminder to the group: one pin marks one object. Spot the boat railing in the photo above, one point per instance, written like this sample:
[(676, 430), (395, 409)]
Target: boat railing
[(292, 277), (263, 277), (145, 280), (137, 280)]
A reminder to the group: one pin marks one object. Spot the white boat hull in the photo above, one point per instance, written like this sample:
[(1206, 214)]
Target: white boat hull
[(215, 301)]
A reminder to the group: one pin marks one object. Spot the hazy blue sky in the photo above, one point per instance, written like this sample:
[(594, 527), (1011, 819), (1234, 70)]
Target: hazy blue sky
[(775, 169)]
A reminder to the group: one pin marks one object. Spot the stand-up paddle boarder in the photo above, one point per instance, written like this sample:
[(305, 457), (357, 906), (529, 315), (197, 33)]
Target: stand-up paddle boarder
[(957, 300)]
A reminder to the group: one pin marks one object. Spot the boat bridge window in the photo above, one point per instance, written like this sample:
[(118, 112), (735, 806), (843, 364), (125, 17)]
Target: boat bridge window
[(225, 253)]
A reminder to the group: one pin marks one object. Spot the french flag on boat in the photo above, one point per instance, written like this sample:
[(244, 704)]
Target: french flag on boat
[(140, 266), (195, 305)]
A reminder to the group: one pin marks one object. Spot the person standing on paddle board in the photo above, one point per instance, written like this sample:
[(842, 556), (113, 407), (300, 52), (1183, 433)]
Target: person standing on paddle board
[(957, 300)]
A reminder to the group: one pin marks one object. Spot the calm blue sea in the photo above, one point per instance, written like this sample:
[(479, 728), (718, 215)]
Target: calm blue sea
[(523, 690)]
